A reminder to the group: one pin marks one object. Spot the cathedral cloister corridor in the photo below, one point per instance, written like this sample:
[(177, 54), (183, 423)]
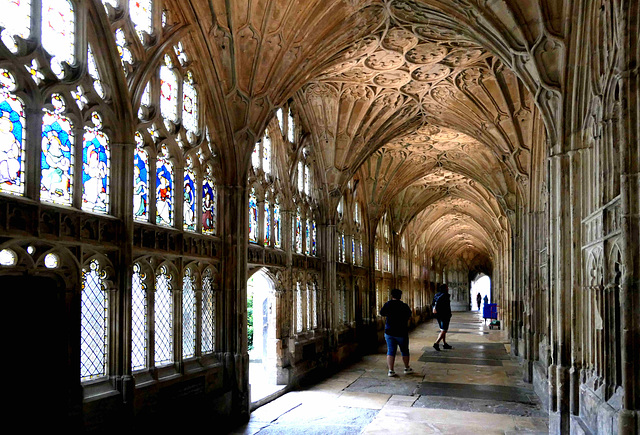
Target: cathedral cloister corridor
[(206, 203)]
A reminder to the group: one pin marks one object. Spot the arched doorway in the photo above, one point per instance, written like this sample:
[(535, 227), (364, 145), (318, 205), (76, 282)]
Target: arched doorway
[(482, 285), (261, 335)]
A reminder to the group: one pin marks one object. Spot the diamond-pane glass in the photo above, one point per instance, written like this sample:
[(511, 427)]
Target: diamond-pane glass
[(188, 316), (163, 318), (138, 320), (208, 314), (94, 323), (12, 136)]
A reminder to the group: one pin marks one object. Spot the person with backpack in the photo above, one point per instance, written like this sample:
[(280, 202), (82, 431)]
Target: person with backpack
[(442, 309)]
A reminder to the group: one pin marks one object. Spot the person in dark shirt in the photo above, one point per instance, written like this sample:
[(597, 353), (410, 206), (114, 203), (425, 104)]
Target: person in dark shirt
[(442, 309), (396, 330)]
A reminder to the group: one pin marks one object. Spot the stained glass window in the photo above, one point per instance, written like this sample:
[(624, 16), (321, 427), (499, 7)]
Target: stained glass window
[(276, 224), (360, 257), (307, 231), (188, 315), (189, 209), (208, 313), (164, 18), (190, 106), (291, 128), (180, 53), (138, 319), (313, 238), (34, 70), (57, 154), (51, 261), (253, 217), (94, 73), (314, 306), (145, 102), (168, 91), (79, 96), (96, 161), (141, 14), (164, 189), (8, 258), (266, 154), (163, 318), (298, 232), (353, 250), (58, 33), (343, 247), (94, 321), (306, 180), (356, 213), (123, 50), (267, 224), (140, 181), (12, 136), (16, 20), (299, 321), (208, 206), (300, 177), (255, 156), (280, 116)]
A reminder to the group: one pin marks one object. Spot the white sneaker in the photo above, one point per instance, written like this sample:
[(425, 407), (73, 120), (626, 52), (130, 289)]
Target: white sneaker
[(408, 370), (391, 373)]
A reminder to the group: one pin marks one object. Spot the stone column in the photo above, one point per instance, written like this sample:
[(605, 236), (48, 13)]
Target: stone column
[(234, 203)]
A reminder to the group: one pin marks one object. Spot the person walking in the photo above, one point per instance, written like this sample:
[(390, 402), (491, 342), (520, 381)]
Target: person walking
[(396, 330), (479, 300), (442, 309)]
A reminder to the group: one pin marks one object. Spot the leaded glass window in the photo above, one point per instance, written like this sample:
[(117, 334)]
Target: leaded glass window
[(343, 248), (8, 258), (276, 225), (280, 116), (96, 162), (189, 208), (208, 206), (141, 14), (94, 323), (190, 106), (145, 102), (140, 181), (92, 69), (12, 136), (307, 230), (353, 250), (57, 154), (164, 189), (298, 232), (180, 53), (138, 319), (299, 318), (208, 313), (267, 223), (168, 91), (58, 33), (266, 154), (309, 307), (307, 189), (34, 70), (253, 216), (80, 97), (313, 238), (291, 128), (300, 176), (163, 318), (188, 315), (123, 49), (255, 156), (16, 21)]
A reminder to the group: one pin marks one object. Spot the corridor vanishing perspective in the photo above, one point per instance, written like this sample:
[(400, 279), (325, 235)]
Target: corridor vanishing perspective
[(475, 387), (204, 204)]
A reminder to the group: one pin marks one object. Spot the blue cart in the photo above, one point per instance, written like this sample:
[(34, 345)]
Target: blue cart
[(490, 311)]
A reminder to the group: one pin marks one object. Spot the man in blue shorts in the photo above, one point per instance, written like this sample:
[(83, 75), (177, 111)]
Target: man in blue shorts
[(442, 309), (396, 330)]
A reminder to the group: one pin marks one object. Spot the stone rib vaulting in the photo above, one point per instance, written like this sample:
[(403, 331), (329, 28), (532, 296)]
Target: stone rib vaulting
[(193, 192)]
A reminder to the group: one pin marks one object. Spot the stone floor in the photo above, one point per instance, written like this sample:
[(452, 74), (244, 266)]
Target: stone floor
[(474, 388)]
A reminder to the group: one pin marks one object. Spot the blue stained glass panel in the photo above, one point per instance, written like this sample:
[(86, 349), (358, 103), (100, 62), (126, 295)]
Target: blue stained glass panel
[(164, 192), (208, 207), (57, 158), (95, 171), (267, 224), (140, 181), (12, 135), (276, 225), (253, 217), (189, 200), (313, 238)]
